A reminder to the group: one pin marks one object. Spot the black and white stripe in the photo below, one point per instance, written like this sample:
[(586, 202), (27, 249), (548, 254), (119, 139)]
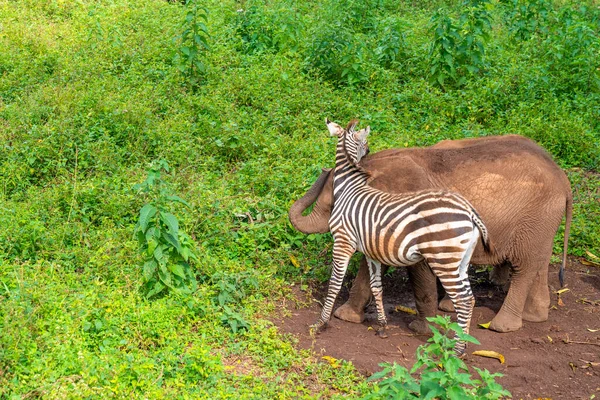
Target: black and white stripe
[(439, 227)]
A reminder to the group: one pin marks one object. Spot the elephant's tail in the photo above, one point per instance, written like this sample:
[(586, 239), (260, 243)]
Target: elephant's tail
[(568, 218)]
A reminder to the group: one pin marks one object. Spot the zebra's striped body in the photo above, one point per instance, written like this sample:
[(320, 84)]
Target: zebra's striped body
[(439, 227)]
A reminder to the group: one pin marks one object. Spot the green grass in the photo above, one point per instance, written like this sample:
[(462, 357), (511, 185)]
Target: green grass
[(90, 95)]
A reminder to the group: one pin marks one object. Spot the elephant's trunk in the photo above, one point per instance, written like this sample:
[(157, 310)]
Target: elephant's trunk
[(317, 221)]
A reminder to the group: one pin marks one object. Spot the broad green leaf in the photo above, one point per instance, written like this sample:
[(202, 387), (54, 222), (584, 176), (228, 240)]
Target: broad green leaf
[(456, 393), (146, 213), (171, 221), (153, 249), (152, 245), (158, 287), (177, 269), (178, 199), (149, 269), (173, 241)]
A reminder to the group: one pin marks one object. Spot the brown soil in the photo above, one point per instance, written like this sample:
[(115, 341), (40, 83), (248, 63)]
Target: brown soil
[(541, 358)]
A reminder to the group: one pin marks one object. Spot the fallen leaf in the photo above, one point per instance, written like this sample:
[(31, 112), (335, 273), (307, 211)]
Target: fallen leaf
[(370, 328), (485, 326), (561, 291), (573, 367), (334, 362), (593, 330), (586, 301), (407, 310), (489, 354), (595, 257), (294, 261), (549, 339), (592, 263), (590, 363), (560, 302)]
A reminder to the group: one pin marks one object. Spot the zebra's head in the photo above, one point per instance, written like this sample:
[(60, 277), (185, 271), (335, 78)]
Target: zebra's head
[(354, 142)]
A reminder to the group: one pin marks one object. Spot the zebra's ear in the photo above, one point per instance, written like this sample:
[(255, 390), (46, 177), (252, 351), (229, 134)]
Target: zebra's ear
[(334, 129), (361, 135)]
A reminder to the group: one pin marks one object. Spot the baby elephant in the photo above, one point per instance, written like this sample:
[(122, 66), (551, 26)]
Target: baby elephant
[(439, 227)]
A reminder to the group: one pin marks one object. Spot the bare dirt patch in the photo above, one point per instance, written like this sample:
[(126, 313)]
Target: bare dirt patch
[(542, 359)]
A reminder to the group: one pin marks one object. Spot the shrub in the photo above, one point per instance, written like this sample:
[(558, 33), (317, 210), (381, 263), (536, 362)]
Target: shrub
[(261, 29), (193, 41), (340, 55), (167, 250), (457, 51), (441, 375)]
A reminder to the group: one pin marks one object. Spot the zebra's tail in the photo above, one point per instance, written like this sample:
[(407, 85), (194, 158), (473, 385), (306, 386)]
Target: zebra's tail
[(485, 238)]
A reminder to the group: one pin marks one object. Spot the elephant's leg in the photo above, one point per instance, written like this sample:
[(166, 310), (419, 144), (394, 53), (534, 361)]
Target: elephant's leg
[(353, 310), (510, 316), (424, 284), (446, 304), (499, 275), (538, 302)]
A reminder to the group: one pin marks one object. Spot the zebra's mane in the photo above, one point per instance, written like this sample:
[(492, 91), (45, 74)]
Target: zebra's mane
[(350, 129)]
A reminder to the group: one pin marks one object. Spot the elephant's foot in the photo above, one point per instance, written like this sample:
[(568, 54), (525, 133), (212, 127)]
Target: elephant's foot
[(419, 326), (538, 302), (347, 313), (535, 312), (446, 305), (504, 322)]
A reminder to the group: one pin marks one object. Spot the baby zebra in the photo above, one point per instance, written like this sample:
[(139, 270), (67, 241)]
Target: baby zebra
[(439, 227)]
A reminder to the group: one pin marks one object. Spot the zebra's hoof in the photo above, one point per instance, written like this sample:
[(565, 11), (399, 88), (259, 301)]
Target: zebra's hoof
[(460, 351), (317, 328), (382, 333)]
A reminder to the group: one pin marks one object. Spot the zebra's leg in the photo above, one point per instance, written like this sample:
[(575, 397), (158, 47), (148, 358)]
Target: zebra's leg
[(455, 280), (341, 257), (458, 288), (377, 291)]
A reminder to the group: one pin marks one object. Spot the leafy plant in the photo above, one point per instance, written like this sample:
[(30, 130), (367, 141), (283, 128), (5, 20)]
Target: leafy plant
[(573, 53), (458, 51), (233, 288), (167, 250), (441, 375), (526, 18), (233, 319), (261, 29), (193, 41), (391, 42), (341, 56)]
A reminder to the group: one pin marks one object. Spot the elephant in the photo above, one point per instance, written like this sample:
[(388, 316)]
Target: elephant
[(516, 187)]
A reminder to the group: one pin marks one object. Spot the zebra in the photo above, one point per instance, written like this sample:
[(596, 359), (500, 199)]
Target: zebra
[(437, 226)]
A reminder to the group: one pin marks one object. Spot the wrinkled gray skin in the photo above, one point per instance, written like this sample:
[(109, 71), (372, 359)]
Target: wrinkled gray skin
[(519, 191)]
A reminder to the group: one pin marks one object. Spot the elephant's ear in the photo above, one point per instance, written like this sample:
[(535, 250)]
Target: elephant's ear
[(334, 129)]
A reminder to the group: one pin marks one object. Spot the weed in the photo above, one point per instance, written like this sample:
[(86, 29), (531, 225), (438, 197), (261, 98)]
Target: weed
[(167, 250), (458, 51), (261, 29), (193, 42), (90, 91), (441, 375), (527, 18)]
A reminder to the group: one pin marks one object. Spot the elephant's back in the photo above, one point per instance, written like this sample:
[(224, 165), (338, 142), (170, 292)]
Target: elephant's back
[(512, 182)]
